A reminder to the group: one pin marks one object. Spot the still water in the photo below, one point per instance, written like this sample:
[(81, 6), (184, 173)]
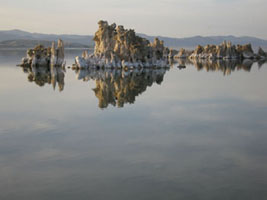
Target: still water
[(198, 133)]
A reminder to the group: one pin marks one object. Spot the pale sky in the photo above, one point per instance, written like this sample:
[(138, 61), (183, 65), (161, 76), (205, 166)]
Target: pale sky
[(173, 18)]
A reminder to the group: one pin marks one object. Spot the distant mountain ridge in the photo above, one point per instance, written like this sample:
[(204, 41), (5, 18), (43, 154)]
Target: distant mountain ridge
[(18, 38), (201, 40), (28, 43), (25, 39)]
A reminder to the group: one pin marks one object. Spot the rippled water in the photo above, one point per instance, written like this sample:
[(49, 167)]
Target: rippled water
[(193, 133)]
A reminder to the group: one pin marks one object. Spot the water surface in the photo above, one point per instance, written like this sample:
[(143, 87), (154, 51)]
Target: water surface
[(195, 133)]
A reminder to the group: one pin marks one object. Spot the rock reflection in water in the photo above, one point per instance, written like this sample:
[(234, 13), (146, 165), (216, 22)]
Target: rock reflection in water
[(225, 66), (46, 74), (117, 87)]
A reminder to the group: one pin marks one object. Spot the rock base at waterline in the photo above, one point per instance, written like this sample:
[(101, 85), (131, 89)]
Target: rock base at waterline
[(225, 51), (116, 47), (41, 56)]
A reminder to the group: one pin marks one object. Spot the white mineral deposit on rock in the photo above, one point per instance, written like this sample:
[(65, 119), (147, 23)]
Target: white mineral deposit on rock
[(42, 56), (226, 51), (57, 54), (116, 47), (223, 51)]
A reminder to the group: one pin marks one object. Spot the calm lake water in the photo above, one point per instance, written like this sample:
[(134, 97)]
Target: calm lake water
[(198, 133)]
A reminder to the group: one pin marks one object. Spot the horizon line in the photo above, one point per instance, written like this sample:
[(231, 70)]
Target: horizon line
[(15, 29)]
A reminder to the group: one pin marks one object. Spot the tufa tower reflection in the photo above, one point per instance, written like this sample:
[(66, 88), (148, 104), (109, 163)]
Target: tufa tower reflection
[(119, 87), (46, 74)]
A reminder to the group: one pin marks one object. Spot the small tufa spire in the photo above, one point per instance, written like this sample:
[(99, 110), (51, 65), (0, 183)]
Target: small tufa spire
[(60, 49), (53, 49)]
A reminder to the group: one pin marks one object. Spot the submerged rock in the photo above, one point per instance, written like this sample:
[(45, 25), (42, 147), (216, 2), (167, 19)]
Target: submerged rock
[(116, 47), (41, 56)]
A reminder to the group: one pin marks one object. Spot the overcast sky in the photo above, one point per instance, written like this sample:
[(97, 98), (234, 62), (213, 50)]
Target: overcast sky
[(174, 18)]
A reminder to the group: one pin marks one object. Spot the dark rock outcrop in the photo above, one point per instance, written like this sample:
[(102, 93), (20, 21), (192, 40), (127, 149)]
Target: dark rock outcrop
[(246, 51), (262, 54)]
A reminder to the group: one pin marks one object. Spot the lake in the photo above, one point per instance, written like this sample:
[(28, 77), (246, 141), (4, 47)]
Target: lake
[(197, 133)]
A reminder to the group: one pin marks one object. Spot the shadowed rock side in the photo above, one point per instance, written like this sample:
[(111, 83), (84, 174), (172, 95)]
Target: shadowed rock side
[(41, 75), (116, 47), (118, 87), (41, 56), (224, 66), (225, 51)]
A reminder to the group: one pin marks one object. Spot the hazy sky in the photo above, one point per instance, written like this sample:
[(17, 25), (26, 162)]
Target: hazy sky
[(175, 18)]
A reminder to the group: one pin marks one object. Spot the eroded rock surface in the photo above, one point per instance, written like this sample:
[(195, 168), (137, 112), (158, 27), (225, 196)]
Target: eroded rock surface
[(116, 47), (226, 50), (41, 56), (183, 53)]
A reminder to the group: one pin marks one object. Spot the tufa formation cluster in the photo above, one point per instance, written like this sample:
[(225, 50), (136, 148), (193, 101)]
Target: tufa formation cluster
[(116, 47), (41, 56), (226, 50)]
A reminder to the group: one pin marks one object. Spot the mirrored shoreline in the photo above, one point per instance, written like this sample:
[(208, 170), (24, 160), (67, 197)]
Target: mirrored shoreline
[(117, 87), (175, 129), (41, 75), (224, 66)]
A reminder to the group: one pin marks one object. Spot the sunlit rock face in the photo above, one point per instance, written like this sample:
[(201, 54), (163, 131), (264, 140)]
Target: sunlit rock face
[(172, 53), (46, 74), (41, 56), (246, 51), (57, 54), (183, 54), (118, 87), (225, 51), (116, 47)]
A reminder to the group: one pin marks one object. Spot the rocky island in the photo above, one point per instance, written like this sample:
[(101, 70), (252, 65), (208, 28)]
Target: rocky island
[(45, 65), (41, 56), (116, 47), (226, 51)]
